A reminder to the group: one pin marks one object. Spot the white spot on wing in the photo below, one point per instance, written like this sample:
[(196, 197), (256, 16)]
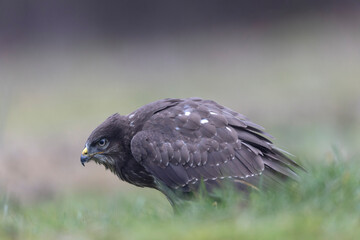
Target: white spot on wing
[(203, 121), (187, 113), (131, 116), (213, 113), (229, 129), (177, 128)]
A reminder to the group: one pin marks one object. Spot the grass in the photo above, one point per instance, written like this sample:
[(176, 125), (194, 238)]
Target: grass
[(324, 205)]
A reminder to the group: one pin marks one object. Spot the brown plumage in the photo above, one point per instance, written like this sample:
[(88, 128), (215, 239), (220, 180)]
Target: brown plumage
[(174, 145)]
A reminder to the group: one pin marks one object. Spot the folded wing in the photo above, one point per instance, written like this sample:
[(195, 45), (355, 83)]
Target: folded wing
[(201, 140)]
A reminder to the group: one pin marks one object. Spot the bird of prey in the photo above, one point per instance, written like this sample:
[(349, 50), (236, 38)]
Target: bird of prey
[(179, 145)]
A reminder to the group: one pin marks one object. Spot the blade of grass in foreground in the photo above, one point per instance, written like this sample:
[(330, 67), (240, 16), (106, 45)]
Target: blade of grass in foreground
[(325, 204)]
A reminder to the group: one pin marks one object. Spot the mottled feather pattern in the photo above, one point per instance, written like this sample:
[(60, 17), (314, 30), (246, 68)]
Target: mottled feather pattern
[(190, 140)]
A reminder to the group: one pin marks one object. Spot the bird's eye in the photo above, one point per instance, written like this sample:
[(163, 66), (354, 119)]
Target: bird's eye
[(102, 142)]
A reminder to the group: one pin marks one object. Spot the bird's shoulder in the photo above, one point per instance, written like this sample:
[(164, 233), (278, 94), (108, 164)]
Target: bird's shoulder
[(187, 116), (196, 139)]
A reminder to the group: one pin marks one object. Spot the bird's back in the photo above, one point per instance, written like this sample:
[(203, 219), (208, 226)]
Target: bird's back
[(185, 142)]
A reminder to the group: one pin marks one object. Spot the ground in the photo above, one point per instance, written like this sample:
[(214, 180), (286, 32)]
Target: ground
[(324, 205)]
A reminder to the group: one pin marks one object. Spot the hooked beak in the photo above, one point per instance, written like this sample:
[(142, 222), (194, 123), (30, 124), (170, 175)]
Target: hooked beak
[(84, 156)]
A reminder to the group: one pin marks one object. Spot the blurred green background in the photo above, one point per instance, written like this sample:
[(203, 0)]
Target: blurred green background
[(292, 68)]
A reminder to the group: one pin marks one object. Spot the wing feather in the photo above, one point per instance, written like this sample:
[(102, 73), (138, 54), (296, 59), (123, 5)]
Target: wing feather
[(204, 140)]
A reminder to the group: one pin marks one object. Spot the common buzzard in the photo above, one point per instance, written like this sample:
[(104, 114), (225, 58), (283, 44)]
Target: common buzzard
[(178, 145)]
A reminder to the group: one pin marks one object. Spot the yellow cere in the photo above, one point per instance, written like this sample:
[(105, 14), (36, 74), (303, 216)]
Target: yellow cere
[(85, 151)]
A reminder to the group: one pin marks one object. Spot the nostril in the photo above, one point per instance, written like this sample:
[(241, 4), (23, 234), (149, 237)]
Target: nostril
[(85, 151)]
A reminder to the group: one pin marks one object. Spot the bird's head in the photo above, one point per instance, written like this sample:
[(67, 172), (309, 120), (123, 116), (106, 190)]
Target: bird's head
[(105, 144)]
